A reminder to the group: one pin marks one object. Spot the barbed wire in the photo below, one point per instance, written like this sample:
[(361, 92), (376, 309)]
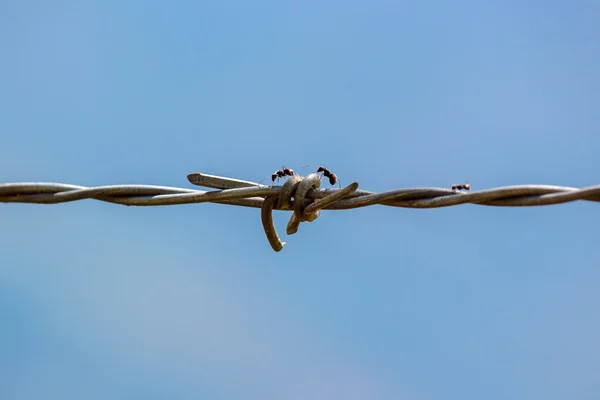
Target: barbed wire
[(302, 195)]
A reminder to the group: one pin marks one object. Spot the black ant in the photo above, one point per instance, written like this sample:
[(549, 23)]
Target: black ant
[(277, 174), (281, 173), (288, 171), (328, 174), (461, 186)]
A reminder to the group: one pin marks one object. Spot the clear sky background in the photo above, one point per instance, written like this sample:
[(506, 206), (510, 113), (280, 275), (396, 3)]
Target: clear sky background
[(100, 301)]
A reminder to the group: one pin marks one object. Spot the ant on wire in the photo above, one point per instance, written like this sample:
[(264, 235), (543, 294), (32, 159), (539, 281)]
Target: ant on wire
[(288, 171), (461, 186), (281, 173), (330, 175)]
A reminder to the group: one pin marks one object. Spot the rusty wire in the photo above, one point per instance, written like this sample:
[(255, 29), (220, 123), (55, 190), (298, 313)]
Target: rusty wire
[(301, 195)]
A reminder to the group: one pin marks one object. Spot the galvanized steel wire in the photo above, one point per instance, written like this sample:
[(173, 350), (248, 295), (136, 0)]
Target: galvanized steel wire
[(302, 195)]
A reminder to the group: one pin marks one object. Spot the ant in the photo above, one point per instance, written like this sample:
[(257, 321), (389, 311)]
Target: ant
[(287, 171), (282, 173), (328, 174), (461, 186), (277, 174)]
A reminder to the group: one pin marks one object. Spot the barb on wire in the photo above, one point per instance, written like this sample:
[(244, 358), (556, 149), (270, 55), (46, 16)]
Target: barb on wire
[(302, 195)]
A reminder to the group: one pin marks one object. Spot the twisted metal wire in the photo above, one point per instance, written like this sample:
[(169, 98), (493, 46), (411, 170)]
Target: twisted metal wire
[(302, 195), (252, 196)]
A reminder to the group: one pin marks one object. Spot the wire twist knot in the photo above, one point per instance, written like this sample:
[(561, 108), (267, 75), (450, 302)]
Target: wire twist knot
[(293, 196)]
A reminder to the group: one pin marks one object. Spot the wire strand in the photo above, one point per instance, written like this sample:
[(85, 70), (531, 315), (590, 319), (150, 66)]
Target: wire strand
[(425, 197), (300, 195)]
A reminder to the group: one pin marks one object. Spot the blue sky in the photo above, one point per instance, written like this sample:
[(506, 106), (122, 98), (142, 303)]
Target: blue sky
[(103, 301)]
